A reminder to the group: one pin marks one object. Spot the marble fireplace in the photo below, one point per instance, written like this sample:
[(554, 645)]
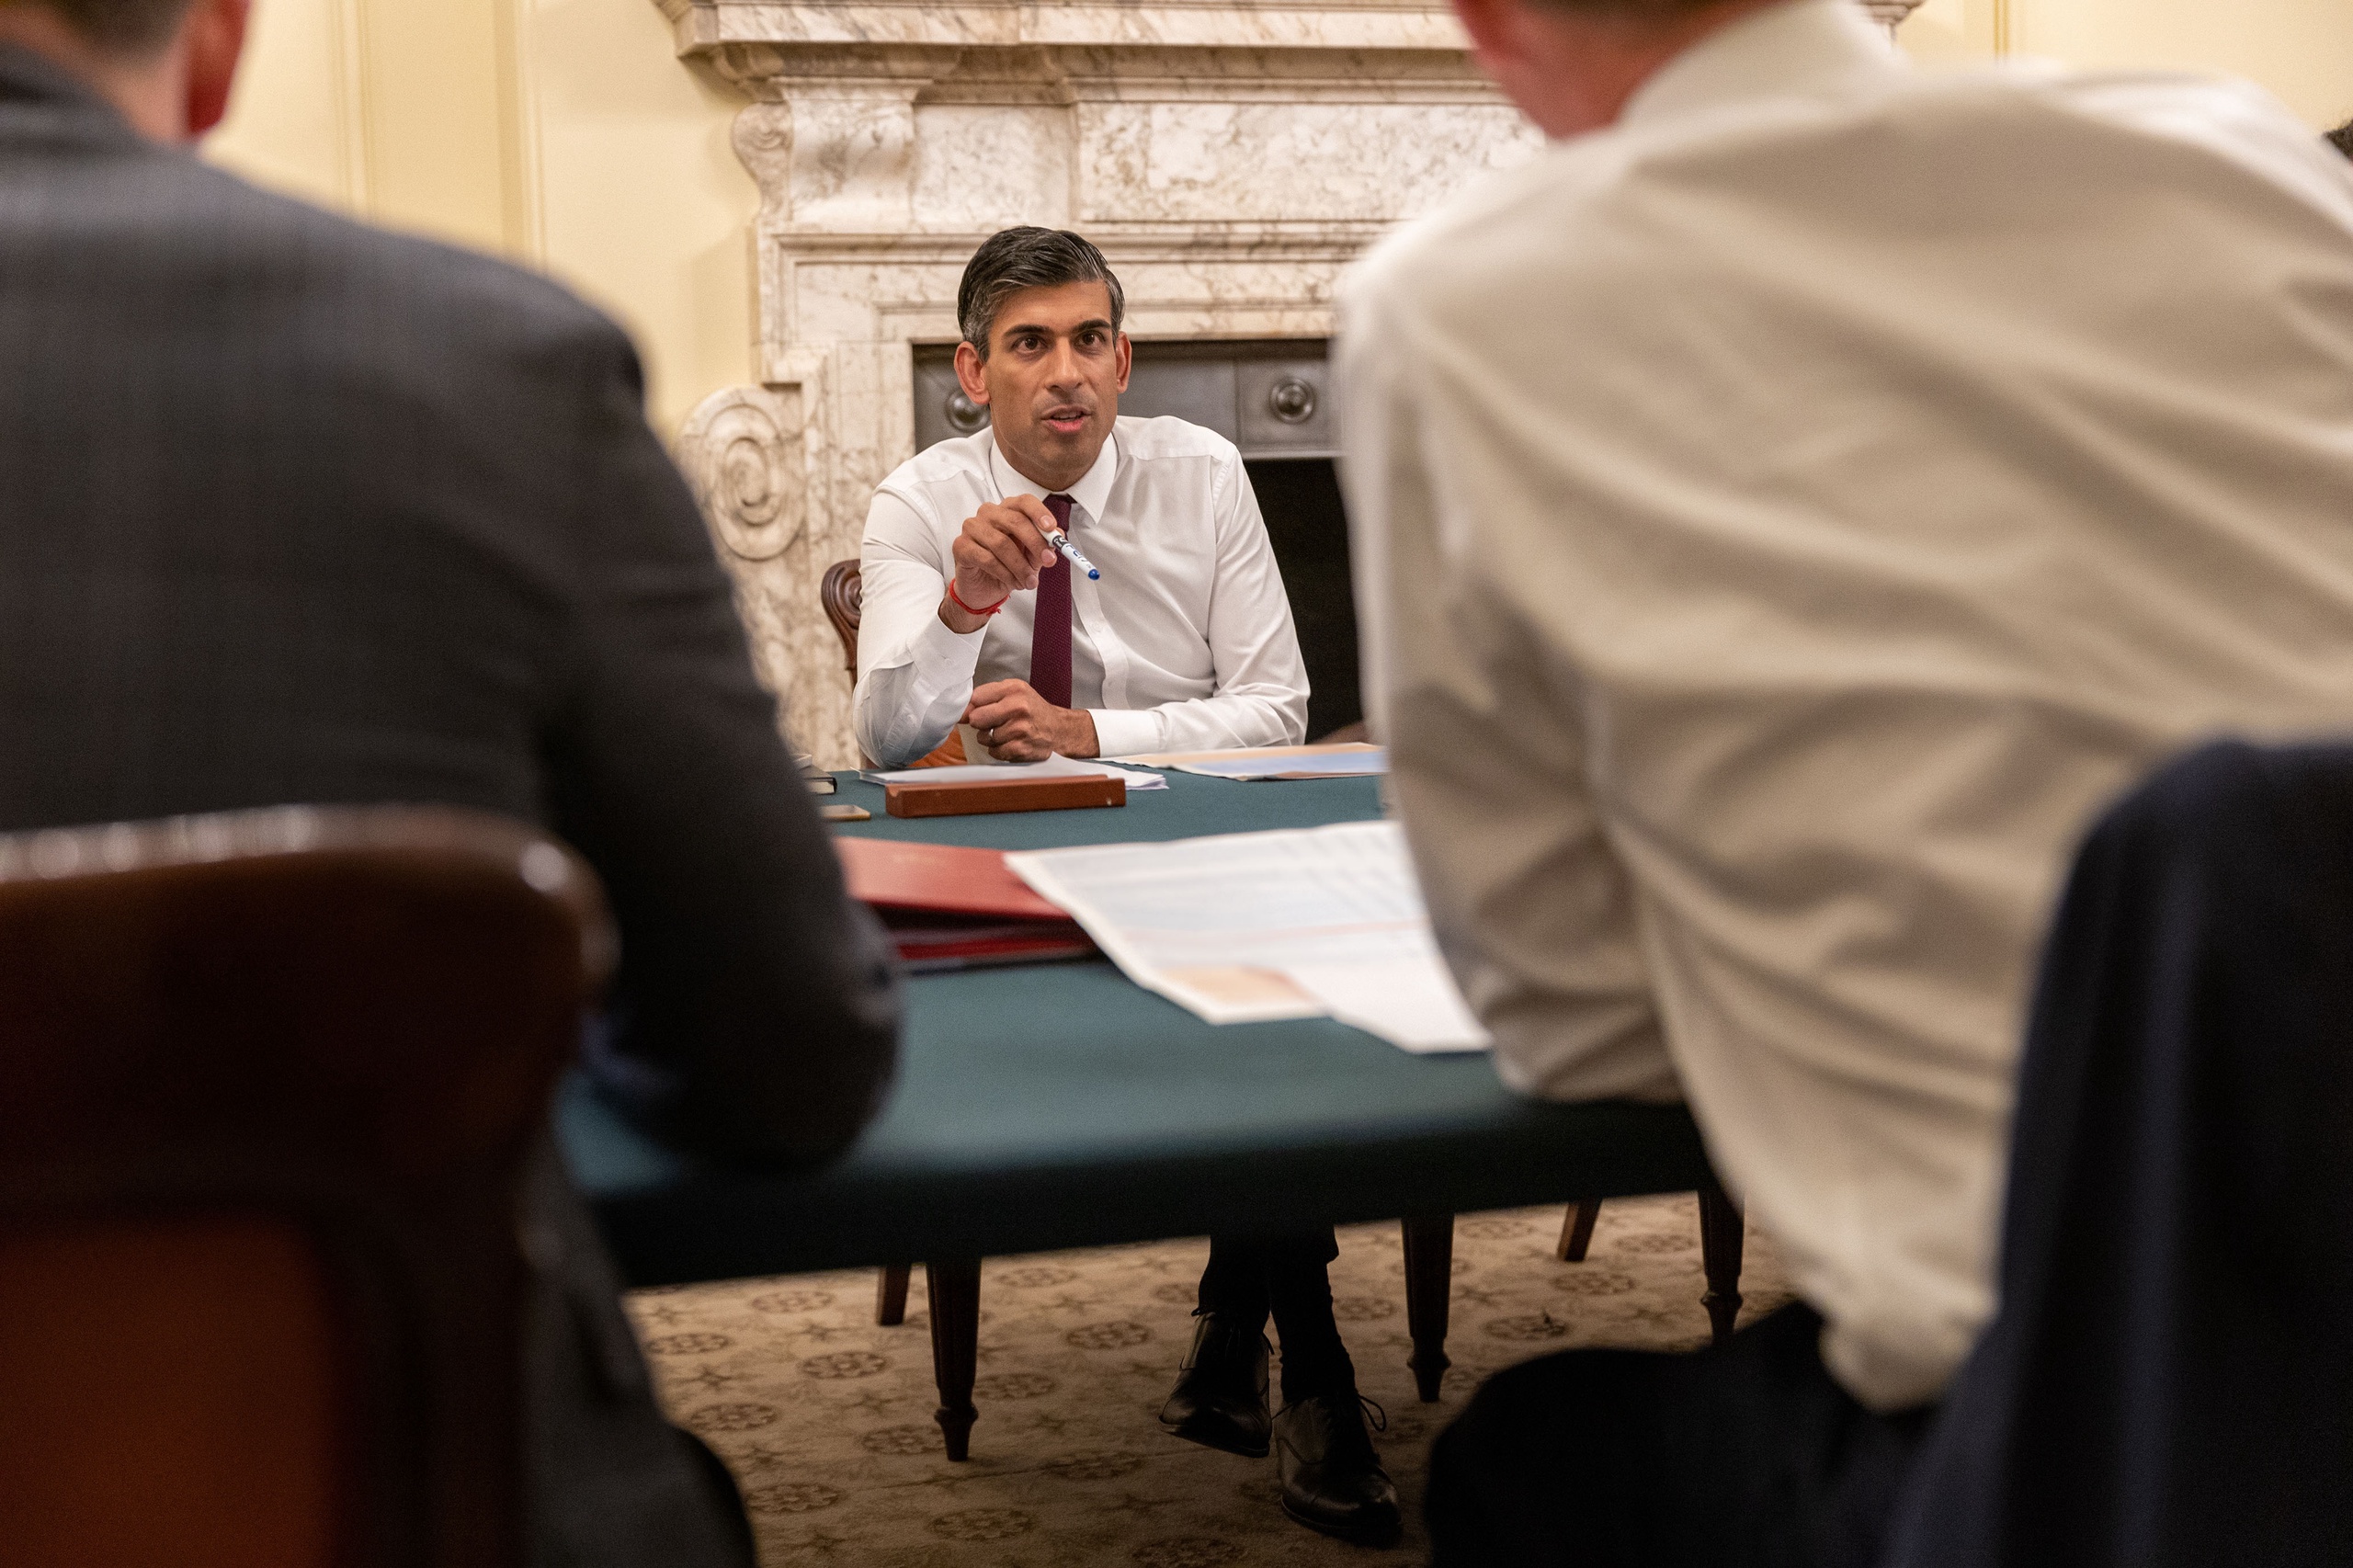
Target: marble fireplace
[(1232, 157)]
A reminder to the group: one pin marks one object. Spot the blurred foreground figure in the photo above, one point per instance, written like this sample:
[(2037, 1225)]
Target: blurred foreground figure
[(1787, 508), (2169, 1380), (295, 511)]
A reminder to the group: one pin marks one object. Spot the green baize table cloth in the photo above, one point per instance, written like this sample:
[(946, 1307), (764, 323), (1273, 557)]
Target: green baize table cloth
[(1059, 1104)]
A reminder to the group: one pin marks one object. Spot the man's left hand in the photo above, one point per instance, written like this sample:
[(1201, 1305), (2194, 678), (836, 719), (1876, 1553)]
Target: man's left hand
[(1018, 725)]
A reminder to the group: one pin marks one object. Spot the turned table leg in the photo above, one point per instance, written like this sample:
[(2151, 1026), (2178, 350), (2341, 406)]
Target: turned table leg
[(1430, 1285), (1576, 1229), (955, 1290), (890, 1295), (1721, 1237)]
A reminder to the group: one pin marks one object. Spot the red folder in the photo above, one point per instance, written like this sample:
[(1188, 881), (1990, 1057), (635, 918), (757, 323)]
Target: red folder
[(950, 907)]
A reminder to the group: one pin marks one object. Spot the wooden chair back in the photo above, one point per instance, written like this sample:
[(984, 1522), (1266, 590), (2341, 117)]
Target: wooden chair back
[(269, 1079), (842, 591)]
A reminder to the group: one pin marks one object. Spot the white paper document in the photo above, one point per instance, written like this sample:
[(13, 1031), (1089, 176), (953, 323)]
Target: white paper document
[(1342, 759), (1308, 923), (1356, 762), (998, 772)]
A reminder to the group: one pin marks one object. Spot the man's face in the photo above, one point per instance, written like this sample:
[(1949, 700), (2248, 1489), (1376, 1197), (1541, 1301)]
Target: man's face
[(1052, 379)]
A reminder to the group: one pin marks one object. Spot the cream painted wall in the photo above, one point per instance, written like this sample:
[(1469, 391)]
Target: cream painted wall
[(639, 202), (2301, 50), (561, 133), (566, 134)]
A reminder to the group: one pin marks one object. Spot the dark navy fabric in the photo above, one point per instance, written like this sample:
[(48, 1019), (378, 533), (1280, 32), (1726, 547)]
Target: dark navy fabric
[(1745, 1455), (2169, 1380)]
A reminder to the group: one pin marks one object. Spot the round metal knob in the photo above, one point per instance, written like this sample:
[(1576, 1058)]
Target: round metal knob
[(1293, 401), (964, 415)]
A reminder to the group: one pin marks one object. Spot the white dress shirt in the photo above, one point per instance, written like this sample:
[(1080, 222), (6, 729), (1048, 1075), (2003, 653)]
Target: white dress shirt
[(1783, 520), (1185, 643)]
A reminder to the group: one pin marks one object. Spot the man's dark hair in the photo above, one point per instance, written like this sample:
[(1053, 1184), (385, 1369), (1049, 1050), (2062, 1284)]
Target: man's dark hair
[(1028, 257), (2342, 138), (121, 27)]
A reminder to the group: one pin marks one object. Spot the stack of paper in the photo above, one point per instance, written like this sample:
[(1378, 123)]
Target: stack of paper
[(1310, 923), (999, 772), (1349, 759)]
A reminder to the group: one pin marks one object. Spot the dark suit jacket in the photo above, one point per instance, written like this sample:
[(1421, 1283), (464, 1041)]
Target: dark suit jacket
[(2166, 1384), (291, 510)]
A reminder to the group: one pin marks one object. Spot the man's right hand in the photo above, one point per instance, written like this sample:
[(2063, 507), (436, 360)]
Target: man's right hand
[(1002, 549)]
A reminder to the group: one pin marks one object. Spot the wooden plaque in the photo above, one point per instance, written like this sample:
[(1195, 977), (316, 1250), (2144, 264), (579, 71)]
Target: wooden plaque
[(1012, 795)]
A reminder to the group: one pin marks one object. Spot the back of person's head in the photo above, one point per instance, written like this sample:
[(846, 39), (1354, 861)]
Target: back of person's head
[(166, 66), (116, 27)]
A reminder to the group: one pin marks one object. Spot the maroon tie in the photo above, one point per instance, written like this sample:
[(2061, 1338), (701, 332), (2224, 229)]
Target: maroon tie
[(1050, 643)]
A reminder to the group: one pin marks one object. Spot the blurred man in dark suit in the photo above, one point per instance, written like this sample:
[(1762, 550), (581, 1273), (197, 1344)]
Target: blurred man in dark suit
[(295, 511)]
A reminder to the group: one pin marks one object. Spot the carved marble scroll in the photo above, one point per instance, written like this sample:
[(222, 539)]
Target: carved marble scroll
[(745, 452), (742, 453)]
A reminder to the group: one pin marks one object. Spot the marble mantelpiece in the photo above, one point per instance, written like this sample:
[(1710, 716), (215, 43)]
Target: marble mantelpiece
[(703, 24), (1231, 158)]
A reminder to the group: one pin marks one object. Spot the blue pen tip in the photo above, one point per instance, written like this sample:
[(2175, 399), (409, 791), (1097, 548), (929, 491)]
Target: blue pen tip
[(1093, 573)]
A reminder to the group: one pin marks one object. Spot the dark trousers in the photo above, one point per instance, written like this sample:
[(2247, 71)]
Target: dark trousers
[(1251, 1278), (1744, 1457)]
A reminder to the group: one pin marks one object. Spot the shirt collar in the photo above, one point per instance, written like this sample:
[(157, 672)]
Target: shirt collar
[(1090, 495), (1783, 50)]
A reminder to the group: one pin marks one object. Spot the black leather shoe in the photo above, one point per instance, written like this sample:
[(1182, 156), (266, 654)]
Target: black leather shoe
[(1220, 1401), (1332, 1480)]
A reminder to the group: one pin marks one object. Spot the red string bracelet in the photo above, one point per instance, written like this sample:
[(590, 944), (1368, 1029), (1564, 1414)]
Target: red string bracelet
[(958, 600)]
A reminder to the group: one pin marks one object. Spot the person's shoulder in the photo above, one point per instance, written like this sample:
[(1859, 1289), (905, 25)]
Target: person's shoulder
[(394, 283), (1603, 212), (2202, 116), (1166, 436), (1569, 206), (1533, 207)]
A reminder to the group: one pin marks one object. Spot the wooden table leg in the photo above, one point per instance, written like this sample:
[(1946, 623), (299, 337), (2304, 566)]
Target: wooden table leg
[(1576, 1229), (890, 1295), (955, 1290), (1429, 1287), (1721, 1237)]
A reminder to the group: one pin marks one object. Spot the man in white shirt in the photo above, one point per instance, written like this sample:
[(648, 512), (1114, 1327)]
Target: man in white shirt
[(1184, 642), (1787, 509)]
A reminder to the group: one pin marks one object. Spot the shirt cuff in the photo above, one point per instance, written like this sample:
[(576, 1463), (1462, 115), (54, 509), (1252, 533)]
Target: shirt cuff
[(1125, 731)]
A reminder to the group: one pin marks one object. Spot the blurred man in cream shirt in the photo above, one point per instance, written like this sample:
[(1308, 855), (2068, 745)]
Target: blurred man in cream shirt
[(1787, 509)]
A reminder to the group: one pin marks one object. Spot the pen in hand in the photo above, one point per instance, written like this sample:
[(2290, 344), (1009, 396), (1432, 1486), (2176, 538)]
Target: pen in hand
[(1070, 552)]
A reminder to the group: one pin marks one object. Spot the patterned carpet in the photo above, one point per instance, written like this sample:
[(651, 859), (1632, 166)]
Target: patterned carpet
[(825, 1418)]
